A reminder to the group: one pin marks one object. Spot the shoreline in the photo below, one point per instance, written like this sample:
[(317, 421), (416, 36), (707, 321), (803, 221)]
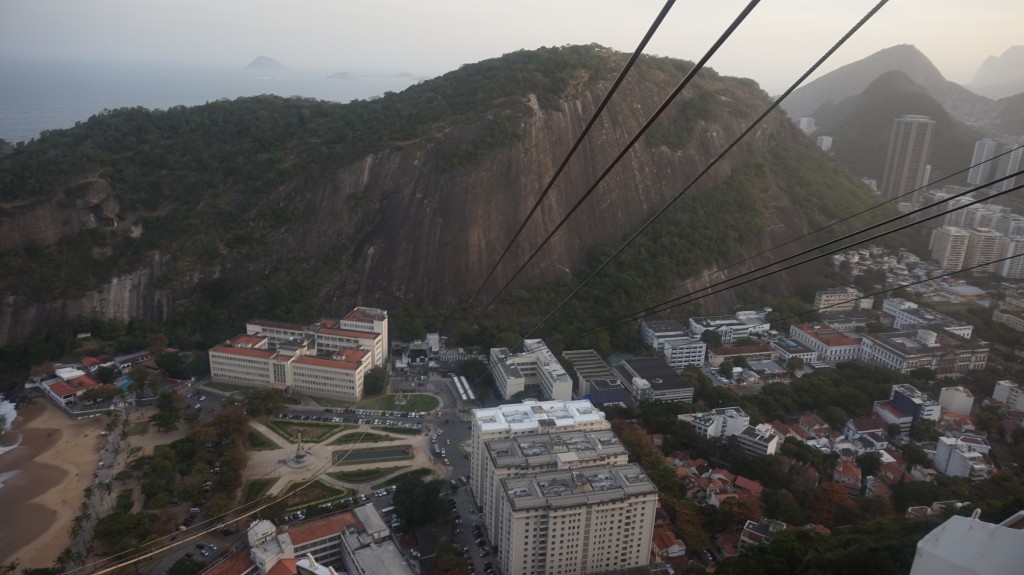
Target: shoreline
[(45, 476)]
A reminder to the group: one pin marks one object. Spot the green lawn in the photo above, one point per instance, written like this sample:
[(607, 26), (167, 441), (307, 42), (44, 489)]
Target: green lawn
[(397, 430), (372, 455), (364, 475), (421, 473), (414, 402), (312, 432), (357, 437), (260, 442), (331, 402), (227, 387), (316, 493), (258, 488)]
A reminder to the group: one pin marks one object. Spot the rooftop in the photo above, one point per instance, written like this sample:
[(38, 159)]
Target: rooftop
[(581, 487), (532, 413)]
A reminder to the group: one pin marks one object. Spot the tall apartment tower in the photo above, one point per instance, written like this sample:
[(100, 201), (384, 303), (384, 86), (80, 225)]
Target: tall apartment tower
[(1008, 164), (984, 246), (949, 247), (1013, 268), (906, 165), (984, 150)]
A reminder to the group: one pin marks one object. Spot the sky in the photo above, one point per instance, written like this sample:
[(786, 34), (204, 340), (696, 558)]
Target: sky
[(777, 42)]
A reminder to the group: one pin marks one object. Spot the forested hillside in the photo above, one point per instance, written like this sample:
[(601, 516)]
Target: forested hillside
[(289, 207)]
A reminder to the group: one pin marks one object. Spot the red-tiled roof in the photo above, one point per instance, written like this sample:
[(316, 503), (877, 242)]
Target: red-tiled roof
[(76, 385), (315, 529), (277, 324), (827, 335), (249, 340), (284, 567), (349, 359), (664, 538), (90, 361), (781, 428), (361, 316), (888, 408), (243, 351), (748, 485), (349, 333), (743, 350)]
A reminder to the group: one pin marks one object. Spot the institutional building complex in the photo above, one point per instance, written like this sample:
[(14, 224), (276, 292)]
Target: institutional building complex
[(534, 370), (327, 359)]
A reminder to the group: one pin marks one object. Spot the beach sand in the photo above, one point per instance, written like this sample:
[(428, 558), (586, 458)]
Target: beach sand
[(43, 482)]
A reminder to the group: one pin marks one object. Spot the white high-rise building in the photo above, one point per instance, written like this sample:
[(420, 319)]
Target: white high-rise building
[(949, 247), (906, 166), (1007, 164), (984, 246), (1009, 393), (1013, 268), (592, 520), (984, 150), (825, 143), (1009, 224), (528, 418)]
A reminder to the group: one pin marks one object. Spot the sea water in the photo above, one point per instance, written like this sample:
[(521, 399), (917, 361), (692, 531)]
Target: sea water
[(37, 95)]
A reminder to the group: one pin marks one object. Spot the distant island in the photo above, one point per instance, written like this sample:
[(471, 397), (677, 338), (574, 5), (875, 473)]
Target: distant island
[(265, 63)]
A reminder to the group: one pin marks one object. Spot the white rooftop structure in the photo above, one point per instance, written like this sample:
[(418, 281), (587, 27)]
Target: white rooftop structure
[(968, 546), (533, 414)]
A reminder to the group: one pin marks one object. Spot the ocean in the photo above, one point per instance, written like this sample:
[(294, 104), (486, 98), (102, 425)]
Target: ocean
[(38, 95)]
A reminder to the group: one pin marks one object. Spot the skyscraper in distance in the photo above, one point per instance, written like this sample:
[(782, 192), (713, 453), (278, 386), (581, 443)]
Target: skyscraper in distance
[(984, 150), (907, 160), (1008, 164)]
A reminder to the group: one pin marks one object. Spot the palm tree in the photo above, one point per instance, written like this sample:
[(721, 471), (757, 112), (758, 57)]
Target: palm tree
[(62, 559), (107, 487)]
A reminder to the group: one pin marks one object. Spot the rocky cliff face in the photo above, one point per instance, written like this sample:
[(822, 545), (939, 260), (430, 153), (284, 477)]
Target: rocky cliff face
[(406, 224)]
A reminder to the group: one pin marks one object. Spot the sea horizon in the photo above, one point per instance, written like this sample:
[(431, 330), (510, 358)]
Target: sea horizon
[(39, 95)]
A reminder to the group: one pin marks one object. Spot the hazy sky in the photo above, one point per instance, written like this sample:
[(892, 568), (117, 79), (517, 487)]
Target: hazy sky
[(429, 37)]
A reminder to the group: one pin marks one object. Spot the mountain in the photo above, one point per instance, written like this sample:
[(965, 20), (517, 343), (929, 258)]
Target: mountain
[(854, 78), (1001, 76), (265, 63), (861, 127), (289, 207)]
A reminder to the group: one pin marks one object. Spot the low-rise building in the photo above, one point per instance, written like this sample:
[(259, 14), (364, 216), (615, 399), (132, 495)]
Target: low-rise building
[(1010, 394), (964, 456), (732, 327), (534, 371), (759, 440), (907, 315), (841, 299), (727, 422), (759, 532), (759, 352), (588, 365), (830, 345), (1011, 318), (652, 379), (943, 352), (956, 399), (789, 348)]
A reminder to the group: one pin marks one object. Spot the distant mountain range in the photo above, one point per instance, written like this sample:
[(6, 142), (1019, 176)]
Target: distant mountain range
[(862, 124), (1001, 76), (854, 78)]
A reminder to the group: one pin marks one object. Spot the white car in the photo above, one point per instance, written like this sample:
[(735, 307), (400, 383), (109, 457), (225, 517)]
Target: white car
[(203, 398)]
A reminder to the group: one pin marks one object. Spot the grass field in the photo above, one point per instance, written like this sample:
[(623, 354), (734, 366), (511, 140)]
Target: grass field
[(414, 402), (260, 442), (372, 455), (364, 475), (357, 437), (258, 488), (421, 473), (312, 432), (397, 430), (316, 493)]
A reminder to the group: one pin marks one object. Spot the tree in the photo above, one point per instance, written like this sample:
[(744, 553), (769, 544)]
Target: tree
[(726, 369), (375, 381), (168, 413), (156, 343), (712, 338), (923, 430), (266, 401), (106, 374), (914, 455), (795, 364), (417, 502), (173, 364)]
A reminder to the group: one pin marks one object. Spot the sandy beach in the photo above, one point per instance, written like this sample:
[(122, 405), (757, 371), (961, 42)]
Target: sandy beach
[(43, 480)]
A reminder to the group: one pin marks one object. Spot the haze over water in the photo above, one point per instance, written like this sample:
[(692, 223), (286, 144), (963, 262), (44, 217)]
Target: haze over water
[(37, 95)]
